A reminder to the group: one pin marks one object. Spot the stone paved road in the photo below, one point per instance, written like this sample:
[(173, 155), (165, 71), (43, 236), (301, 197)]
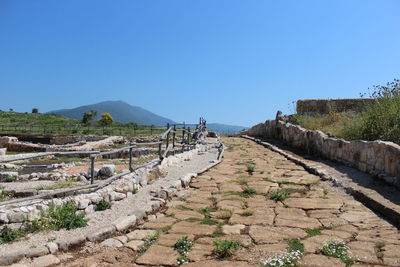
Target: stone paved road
[(217, 207)]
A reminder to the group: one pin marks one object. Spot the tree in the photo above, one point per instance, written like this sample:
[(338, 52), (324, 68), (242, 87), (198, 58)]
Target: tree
[(89, 116), (35, 110), (106, 119)]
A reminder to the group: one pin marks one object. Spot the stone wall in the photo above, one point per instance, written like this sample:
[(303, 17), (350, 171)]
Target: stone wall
[(323, 106), (378, 158)]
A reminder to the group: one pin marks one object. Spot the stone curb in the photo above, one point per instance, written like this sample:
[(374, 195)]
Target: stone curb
[(351, 188), (119, 225)]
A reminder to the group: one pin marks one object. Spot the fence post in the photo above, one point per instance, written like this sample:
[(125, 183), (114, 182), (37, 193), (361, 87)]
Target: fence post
[(188, 138), (130, 159), (92, 169), (159, 150), (183, 135), (173, 137)]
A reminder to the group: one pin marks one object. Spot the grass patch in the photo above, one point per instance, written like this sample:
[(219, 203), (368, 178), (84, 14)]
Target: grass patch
[(56, 217), (209, 221), (313, 232), (102, 205), (225, 248), (8, 235), (295, 245), (279, 194), (250, 169), (242, 180), (247, 212), (246, 193), (206, 211), (224, 214), (338, 250)]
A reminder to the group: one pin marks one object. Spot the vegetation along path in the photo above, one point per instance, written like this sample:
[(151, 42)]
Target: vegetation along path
[(255, 208)]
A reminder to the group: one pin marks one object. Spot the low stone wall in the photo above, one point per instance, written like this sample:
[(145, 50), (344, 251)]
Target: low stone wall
[(378, 158), (324, 106), (67, 139)]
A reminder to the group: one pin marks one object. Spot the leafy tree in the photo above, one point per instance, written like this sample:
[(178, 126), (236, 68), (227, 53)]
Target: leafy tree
[(89, 116), (35, 110), (106, 119)]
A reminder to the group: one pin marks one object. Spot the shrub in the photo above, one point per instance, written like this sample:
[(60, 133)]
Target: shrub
[(8, 235), (56, 217), (10, 179), (102, 205), (225, 248), (313, 232), (206, 211), (35, 110)]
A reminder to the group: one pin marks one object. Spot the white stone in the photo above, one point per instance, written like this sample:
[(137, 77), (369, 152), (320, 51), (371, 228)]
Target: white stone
[(83, 204), (45, 261), (111, 242), (125, 222)]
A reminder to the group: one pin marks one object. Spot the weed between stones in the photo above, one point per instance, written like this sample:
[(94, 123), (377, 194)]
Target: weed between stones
[(225, 248), (295, 245), (247, 212), (339, 250), (102, 205), (183, 246), (313, 232), (286, 259), (8, 235)]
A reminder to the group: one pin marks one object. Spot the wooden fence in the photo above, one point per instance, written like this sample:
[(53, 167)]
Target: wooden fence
[(174, 139)]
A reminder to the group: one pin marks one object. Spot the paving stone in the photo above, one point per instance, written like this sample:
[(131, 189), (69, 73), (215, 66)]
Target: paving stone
[(159, 223), (313, 203), (192, 228), (216, 263), (233, 229), (315, 260), (112, 243), (297, 221), (45, 261), (200, 252), (140, 234), (125, 222), (122, 238), (185, 214), (159, 255), (261, 216), (313, 244), (134, 244), (271, 235), (171, 239)]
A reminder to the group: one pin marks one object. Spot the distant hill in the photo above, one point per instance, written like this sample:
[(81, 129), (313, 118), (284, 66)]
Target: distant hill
[(224, 128), (119, 110)]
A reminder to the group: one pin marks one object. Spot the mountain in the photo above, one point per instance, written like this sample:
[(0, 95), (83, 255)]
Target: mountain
[(224, 128), (119, 110)]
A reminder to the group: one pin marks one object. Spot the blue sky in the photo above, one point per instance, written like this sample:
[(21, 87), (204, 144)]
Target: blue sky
[(234, 62)]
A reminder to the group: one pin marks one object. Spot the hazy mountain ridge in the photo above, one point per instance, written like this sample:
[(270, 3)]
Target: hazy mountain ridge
[(124, 112), (119, 110)]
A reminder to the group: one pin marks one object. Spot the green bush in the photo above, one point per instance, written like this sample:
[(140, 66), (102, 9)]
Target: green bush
[(56, 217), (102, 205), (225, 248), (8, 235), (183, 246), (337, 249)]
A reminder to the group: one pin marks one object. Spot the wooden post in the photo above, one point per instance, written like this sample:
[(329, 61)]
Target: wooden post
[(173, 137), (92, 170), (183, 135), (130, 158), (188, 138), (159, 151)]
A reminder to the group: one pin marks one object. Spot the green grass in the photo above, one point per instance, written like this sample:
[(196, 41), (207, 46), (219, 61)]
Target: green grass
[(183, 246), (313, 232), (102, 205), (279, 194), (379, 120), (295, 245), (224, 214), (225, 248), (28, 123), (56, 217), (246, 193), (8, 235)]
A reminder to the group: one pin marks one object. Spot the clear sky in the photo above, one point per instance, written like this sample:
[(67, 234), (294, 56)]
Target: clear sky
[(234, 62)]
